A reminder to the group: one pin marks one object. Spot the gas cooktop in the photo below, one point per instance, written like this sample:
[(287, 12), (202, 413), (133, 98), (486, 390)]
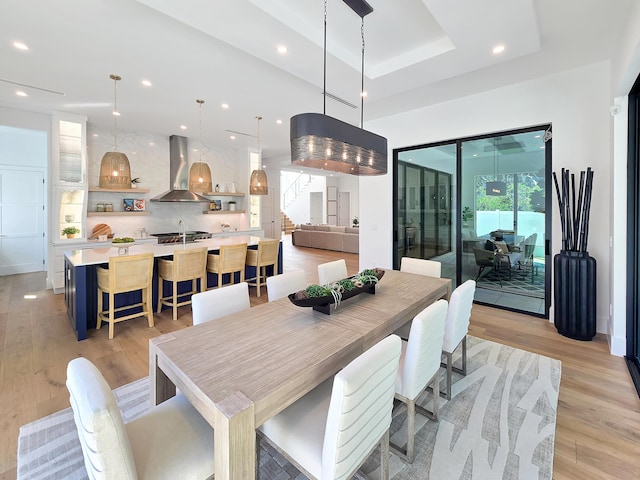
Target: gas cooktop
[(175, 237)]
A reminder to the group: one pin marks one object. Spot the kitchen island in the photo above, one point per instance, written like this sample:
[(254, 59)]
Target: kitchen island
[(80, 284)]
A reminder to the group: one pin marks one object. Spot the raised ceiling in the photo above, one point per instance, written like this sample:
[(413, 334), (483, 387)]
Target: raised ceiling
[(418, 52)]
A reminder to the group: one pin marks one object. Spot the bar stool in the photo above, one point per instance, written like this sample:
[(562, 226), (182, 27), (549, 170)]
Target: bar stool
[(127, 273), (266, 255), (186, 265), (231, 259)]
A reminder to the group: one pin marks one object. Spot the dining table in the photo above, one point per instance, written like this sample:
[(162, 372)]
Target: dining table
[(240, 370)]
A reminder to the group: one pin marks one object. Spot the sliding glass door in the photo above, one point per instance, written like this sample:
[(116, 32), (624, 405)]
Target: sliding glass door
[(478, 205)]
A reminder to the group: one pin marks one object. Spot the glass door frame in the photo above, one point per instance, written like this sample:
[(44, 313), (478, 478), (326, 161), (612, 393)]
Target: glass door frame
[(548, 260)]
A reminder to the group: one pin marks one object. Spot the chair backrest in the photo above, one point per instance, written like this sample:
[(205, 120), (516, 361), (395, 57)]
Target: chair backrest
[(424, 349), (530, 245), (129, 272), (429, 268), (190, 263), (213, 304), (232, 257), (483, 256), (268, 252), (332, 271), (279, 286), (458, 315), (360, 408), (105, 445)]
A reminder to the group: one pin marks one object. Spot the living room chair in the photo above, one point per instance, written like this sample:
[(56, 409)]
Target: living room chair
[(217, 303), (331, 272), (279, 286), (430, 268), (187, 265), (332, 430), (420, 367), (230, 259), (126, 273), (265, 256), (456, 328), (171, 440)]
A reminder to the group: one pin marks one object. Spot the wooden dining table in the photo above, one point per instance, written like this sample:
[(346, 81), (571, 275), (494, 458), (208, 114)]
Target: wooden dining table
[(241, 370)]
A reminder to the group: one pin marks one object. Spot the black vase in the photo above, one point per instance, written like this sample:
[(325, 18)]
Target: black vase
[(574, 292)]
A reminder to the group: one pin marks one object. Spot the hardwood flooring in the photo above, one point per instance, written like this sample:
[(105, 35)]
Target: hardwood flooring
[(598, 422)]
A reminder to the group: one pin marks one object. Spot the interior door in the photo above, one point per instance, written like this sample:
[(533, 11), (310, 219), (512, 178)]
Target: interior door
[(22, 224), (316, 209), (269, 214), (344, 209)]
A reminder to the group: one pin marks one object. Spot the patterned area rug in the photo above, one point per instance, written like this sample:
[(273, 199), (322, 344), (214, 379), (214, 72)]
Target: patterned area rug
[(522, 282), (499, 424)]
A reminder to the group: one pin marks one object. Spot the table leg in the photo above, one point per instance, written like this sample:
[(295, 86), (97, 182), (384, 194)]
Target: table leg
[(235, 439), (160, 387)]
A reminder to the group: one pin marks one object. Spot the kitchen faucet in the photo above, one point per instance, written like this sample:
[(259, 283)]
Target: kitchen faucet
[(182, 231)]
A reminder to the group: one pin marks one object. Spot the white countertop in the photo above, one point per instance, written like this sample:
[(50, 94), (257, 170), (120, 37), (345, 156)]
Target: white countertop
[(93, 256)]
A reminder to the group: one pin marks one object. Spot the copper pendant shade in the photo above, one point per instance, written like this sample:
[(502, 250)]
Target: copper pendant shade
[(258, 184), (323, 142), (115, 171), (200, 174)]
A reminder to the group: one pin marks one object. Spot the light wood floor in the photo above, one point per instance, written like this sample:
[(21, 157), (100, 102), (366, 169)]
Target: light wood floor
[(598, 423)]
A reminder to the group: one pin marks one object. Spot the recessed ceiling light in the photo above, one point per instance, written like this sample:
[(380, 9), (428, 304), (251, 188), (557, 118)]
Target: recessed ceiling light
[(146, 83), (183, 127), (282, 49), (225, 105), (475, 154), (363, 94), (498, 49), (117, 114), (151, 144), (20, 93), (20, 46), (232, 137), (279, 122)]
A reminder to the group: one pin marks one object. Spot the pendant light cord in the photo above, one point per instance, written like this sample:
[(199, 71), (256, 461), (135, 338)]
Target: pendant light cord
[(115, 111), (324, 84), (362, 85), (200, 102)]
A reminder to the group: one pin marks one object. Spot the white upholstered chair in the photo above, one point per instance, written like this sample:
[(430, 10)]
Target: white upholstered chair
[(213, 304), (279, 286), (332, 430), (430, 268), (420, 367), (168, 441), (456, 328), (332, 271), (419, 266)]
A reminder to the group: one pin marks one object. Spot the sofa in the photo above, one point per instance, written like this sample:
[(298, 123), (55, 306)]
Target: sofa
[(327, 237)]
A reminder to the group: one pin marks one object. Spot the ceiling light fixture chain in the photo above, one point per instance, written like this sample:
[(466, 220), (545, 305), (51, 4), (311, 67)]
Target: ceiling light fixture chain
[(116, 113), (200, 102)]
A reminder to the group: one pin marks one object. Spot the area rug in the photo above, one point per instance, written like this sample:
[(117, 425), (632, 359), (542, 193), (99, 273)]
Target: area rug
[(499, 424), (522, 282)]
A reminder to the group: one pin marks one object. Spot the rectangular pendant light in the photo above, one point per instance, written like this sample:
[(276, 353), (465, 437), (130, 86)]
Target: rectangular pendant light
[(496, 189), (323, 142)]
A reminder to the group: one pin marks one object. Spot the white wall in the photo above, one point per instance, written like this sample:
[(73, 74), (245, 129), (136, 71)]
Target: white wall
[(575, 102), (299, 211)]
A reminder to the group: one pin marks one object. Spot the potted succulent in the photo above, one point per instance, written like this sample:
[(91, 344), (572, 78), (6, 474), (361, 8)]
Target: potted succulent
[(467, 215), (356, 222), (135, 182), (70, 232)]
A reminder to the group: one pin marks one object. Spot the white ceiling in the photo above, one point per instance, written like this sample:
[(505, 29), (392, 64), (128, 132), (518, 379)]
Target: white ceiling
[(418, 52)]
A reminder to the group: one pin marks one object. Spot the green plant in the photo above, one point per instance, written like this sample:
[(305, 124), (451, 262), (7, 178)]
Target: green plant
[(315, 290), (346, 284), (467, 214), (70, 230)]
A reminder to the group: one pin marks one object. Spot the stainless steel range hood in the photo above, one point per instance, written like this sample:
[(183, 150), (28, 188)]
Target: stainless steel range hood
[(179, 174)]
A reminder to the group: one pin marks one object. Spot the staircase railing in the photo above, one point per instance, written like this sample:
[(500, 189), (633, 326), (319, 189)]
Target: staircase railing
[(294, 190)]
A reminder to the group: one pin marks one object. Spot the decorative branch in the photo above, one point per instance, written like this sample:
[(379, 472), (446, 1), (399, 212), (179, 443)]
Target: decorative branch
[(574, 215)]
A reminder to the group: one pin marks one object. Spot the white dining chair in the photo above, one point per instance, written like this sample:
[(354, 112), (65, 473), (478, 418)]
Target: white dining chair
[(334, 428), (420, 266), (420, 367), (168, 441), (332, 271), (279, 286), (217, 303), (456, 329)]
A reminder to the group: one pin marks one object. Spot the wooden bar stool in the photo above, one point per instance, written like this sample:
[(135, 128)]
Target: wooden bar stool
[(186, 265), (231, 259), (127, 273), (266, 255)]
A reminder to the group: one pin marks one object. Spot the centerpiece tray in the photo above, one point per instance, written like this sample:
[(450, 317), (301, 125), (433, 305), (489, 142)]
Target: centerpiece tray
[(323, 303)]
